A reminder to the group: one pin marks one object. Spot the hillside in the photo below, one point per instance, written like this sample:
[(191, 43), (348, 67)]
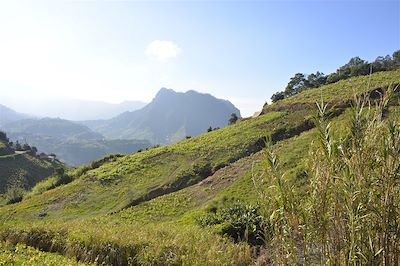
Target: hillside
[(176, 194), (21, 169), (75, 144), (171, 116), (51, 127)]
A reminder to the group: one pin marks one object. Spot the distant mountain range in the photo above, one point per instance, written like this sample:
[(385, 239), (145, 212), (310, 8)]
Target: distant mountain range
[(73, 143), (8, 115), (171, 116), (51, 127), (77, 110)]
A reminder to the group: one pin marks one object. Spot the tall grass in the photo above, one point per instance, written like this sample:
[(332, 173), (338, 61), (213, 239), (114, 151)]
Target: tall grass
[(351, 214), (114, 243)]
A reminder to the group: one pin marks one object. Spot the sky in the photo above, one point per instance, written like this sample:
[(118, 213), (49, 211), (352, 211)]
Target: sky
[(242, 51)]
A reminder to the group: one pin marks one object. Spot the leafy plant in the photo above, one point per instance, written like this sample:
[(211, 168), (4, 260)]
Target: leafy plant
[(14, 194), (239, 221)]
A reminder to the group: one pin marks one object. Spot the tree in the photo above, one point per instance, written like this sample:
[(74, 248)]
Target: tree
[(277, 96), (209, 129), (233, 119), (33, 151), (355, 61), (3, 136), (396, 57), (295, 85), (332, 78), (26, 147), (355, 67), (18, 146), (316, 80), (378, 64)]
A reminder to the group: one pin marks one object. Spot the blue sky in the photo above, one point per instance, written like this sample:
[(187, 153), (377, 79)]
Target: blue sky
[(242, 51)]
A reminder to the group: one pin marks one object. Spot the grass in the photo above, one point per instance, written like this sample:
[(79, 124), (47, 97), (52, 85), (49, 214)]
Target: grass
[(94, 216), (21, 255), (350, 214), (114, 185), (131, 243), (340, 91), (22, 169), (2, 144)]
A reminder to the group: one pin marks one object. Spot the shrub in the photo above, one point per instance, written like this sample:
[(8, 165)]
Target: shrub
[(239, 221), (63, 180), (234, 118), (14, 194)]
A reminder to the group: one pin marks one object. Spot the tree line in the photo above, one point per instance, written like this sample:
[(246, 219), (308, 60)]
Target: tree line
[(355, 67)]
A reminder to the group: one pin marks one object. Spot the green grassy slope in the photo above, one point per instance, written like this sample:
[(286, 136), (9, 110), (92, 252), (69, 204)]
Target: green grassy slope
[(163, 190), (339, 92), (21, 170), (119, 183), (21, 254), (4, 148)]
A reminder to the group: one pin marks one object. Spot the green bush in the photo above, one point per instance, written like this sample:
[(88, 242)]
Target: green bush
[(239, 221), (14, 194)]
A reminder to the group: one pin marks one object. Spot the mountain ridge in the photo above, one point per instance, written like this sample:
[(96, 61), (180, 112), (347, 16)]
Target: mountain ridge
[(169, 117), (79, 110), (74, 143), (9, 115)]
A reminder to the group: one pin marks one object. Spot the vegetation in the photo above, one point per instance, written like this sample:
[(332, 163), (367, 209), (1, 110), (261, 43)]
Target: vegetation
[(20, 171), (234, 118), (23, 169), (239, 221), (73, 143), (195, 203), (355, 67), (351, 213), (21, 254)]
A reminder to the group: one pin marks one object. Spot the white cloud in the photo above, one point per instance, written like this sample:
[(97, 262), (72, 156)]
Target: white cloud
[(162, 50)]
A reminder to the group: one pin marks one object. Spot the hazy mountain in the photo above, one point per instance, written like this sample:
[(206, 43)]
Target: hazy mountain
[(51, 127), (169, 117), (73, 143), (8, 115), (78, 110)]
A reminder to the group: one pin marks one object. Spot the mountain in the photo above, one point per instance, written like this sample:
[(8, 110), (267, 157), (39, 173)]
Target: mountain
[(171, 116), (8, 115), (73, 143), (77, 110), (51, 127), (229, 197)]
